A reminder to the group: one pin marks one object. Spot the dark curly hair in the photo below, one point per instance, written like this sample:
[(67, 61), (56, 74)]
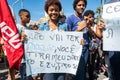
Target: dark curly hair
[(23, 10), (87, 12), (50, 2), (76, 1)]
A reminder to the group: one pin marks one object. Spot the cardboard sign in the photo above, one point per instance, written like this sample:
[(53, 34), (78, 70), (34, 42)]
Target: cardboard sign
[(52, 52), (111, 36)]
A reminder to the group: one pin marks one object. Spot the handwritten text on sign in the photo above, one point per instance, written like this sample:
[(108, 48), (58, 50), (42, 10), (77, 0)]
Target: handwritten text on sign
[(111, 36), (52, 52)]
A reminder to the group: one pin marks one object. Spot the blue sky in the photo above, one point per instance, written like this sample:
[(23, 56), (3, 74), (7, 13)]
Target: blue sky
[(36, 7)]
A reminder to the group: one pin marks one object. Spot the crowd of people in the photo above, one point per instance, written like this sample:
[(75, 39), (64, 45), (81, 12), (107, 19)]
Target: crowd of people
[(93, 59)]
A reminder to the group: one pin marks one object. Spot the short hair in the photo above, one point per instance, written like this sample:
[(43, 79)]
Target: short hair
[(23, 10), (87, 12), (76, 1), (50, 2)]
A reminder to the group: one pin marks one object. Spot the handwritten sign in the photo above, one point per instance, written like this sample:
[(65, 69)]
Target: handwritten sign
[(111, 10), (52, 52), (111, 36)]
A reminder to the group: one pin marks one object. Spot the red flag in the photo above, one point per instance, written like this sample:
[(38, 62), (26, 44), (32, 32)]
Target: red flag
[(12, 44)]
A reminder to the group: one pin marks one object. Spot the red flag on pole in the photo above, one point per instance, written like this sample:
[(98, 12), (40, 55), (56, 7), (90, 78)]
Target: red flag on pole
[(12, 44)]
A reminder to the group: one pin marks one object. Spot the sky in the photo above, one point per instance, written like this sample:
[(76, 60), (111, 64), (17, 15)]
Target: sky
[(36, 7)]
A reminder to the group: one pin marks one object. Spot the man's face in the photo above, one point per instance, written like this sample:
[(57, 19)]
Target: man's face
[(25, 17), (91, 18)]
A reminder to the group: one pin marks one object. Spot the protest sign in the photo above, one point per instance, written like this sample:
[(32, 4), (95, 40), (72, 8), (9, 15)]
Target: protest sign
[(52, 52), (111, 36)]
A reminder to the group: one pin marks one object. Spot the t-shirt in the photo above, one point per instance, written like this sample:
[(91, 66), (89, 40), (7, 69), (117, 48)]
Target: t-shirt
[(62, 26), (73, 23), (21, 28)]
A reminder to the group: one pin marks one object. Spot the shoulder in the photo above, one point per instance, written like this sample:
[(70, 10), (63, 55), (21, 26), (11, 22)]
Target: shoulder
[(70, 17), (43, 25), (19, 27), (61, 22), (63, 25)]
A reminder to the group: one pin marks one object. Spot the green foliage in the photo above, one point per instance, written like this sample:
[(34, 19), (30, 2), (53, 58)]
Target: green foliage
[(98, 13)]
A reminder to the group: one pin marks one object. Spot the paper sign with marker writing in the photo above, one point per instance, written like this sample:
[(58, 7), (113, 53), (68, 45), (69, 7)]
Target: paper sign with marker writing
[(52, 52), (111, 36)]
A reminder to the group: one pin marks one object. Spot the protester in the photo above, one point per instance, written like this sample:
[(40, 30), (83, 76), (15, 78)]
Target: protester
[(22, 26), (94, 34), (75, 23), (53, 8), (114, 64)]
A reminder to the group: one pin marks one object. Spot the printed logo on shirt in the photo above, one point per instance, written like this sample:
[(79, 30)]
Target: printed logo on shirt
[(78, 23)]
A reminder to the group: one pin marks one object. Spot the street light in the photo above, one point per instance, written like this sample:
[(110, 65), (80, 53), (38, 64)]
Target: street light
[(22, 5), (103, 2), (15, 3), (12, 7)]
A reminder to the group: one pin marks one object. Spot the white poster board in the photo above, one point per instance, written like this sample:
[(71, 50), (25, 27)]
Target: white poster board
[(52, 52), (111, 36)]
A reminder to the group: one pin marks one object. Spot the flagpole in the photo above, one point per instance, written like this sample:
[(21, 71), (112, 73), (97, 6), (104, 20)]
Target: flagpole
[(15, 2), (12, 8), (22, 5)]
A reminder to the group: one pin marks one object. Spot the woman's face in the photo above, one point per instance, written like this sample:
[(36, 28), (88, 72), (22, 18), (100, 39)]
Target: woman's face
[(53, 12), (80, 7)]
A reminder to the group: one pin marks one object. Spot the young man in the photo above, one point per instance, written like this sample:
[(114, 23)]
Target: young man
[(24, 19), (75, 23)]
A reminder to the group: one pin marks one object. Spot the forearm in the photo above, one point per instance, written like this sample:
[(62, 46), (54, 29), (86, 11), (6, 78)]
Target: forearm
[(81, 26), (98, 32)]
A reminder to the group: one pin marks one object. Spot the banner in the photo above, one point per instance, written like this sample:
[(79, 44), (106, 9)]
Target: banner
[(52, 52), (12, 44), (111, 36)]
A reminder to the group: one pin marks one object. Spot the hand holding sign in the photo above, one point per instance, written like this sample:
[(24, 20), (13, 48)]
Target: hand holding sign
[(57, 52), (102, 24)]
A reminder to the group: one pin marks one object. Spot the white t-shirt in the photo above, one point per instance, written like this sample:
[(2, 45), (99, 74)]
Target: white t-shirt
[(22, 28)]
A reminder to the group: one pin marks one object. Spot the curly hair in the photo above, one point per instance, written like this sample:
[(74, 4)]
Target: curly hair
[(51, 2), (23, 10), (87, 12), (76, 1)]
